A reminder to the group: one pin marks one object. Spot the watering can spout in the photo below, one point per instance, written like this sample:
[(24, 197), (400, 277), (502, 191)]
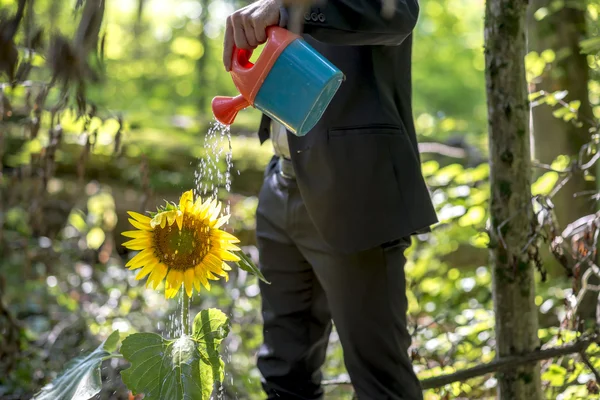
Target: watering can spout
[(225, 109)]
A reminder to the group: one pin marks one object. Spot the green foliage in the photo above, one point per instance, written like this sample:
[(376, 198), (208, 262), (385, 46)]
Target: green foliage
[(81, 378), (248, 265), (184, 368), (448, 60), (68, 285)]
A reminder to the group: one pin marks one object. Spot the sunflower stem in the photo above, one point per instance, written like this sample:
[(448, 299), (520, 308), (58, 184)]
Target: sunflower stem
[(186, 313)]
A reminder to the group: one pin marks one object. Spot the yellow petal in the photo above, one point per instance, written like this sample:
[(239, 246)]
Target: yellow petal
[(222, 235), (179, 219), (175, 278), (224, 255), (137, 234), (197, 284), (137, 244), (210, 276), (139, 256), (144, 240), (188, 281), (204, 282), (139, 217), (170, 292), (146, 270), (198, 203), (215, 211), (171, 217), (157, 220), (157, 275), (140, 225), (186, 198), (140, 260), (215, 274), (163, 221), (212, 262), (220, 222), (226, 246), (226, 266), (205, 208)]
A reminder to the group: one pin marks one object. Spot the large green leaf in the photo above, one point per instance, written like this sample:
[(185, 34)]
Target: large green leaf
[(185, 368), (210, 328), (81, 378)]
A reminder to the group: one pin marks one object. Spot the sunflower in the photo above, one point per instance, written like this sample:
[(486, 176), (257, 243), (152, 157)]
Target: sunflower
[(182, 243)]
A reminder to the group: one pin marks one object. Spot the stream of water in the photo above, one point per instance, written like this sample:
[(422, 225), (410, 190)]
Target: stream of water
[(211, 176)]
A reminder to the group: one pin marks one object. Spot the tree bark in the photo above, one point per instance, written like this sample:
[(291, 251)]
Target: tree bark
[(513, 282), (561, 32)]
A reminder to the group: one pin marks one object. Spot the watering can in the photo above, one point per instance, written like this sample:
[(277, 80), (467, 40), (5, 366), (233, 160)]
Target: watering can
[(290, 82)]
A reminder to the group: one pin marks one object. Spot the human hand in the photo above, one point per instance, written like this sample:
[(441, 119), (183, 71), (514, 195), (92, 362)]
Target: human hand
[(246, 28)]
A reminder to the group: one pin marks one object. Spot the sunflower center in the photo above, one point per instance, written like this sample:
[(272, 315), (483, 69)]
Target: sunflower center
[(182, 249)]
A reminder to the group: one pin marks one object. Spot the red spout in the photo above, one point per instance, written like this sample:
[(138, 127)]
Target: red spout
[(225, 109)]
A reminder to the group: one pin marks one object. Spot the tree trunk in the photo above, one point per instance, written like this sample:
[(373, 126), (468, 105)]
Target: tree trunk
[(513, 282), (561, 32)]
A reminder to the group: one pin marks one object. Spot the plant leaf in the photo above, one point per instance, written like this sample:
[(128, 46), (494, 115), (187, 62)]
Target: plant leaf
[(185, 368), (210, 328), (81, 378), (247, 265)]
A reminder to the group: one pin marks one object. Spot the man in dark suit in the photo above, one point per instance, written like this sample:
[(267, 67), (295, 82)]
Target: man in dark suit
[(338, 206)]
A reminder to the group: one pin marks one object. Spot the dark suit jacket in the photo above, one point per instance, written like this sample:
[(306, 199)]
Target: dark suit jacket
[(359, 169)]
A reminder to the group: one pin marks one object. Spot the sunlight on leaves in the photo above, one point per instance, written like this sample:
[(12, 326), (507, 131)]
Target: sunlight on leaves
[(556, 375), (188, 367), (81, 378), (544, 184)]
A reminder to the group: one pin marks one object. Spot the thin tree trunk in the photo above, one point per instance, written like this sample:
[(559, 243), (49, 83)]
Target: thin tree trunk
[(513, 282), (561, 32)]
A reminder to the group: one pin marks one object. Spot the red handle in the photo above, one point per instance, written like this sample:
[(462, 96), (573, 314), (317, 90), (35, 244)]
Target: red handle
[(240, 59), (249, 77)]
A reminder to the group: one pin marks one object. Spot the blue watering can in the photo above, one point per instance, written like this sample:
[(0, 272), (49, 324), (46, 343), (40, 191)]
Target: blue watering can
[(290, 82)]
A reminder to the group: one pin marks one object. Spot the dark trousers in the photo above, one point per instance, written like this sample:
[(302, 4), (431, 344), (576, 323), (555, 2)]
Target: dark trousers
[(364, 294)]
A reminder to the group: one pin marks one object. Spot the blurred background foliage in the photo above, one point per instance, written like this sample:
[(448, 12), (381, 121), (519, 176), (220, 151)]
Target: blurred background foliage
[(63, 287)]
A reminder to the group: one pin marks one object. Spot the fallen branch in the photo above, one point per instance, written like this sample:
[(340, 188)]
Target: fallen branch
[(496, 365), (442, 149)]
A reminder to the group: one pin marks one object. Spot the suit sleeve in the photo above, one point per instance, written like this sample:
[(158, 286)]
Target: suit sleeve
[(360, 22)]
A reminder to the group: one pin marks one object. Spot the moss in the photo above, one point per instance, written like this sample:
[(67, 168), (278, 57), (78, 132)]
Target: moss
[(523, 265), (507, 157), (526, 377), (505, 189)]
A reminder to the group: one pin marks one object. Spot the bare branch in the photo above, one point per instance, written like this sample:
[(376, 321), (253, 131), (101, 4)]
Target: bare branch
[(588, 363), (496, 365)]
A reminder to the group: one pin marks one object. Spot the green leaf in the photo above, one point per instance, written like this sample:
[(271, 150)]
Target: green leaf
[(590, 45), (544, 183), (561, 112), (210, 328), (185, 368), (555, 375), (247, 265), (535, 95), (81, 378)]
